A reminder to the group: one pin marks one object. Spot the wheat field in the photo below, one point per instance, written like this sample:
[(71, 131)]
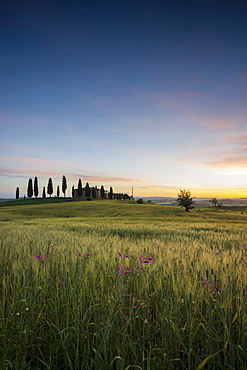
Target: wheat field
[(120, 285)]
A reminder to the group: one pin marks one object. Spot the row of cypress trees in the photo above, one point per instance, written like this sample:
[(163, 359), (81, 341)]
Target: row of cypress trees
[(33, 189)]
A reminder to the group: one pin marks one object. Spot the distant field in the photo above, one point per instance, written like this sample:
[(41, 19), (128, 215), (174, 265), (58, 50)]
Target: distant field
[(120, 285)]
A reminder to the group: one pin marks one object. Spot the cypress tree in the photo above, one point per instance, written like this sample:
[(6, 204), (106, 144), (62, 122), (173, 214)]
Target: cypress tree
[(30, 188), (73, 191), (50, 187), (94, 193), (110, 193), (87, 190), (79, 190), (58, 191), (102, 192), (64, 184), (17, 193), (36, 190), (44, 194)]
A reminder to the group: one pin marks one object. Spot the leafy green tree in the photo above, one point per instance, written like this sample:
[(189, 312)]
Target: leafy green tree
[(79, 189), (58, 191), (110, 193), (73, 191), (94, 193), (30, 188), (102, 192), (64, 185), (216, 203), (87, 190), (185, 200), (35, 187), (44, 194), (17, 194), (50, 187)]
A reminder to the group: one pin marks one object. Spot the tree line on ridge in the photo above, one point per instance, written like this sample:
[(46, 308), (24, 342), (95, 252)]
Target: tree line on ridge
[(87, 192)]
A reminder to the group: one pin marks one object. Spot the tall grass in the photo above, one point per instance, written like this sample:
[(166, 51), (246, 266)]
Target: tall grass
[(184, 308)]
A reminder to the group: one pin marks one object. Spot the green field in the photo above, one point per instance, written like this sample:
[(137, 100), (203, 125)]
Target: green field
[(119, 285)]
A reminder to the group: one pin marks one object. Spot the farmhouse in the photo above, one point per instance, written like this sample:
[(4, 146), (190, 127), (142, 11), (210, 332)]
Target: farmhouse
[(97, 191)]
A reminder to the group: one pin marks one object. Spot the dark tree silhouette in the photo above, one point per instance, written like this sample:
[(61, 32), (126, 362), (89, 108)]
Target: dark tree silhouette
[(64, 184), (185, 200), (30, 188), (44, 194), (102, 192), (17, 193), (118, 196), (87, 190), (50, 187), (35, 187), (58, 191), (94, 193), (216, 203), (73, 191), (110, 193), (79, 189)]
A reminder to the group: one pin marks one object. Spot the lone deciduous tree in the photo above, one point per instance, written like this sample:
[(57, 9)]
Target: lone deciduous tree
[(216, 203), (17, 193), (64, 185), (35, 187), (50, 187), (79, 189), (30, 188), (102, 192), (185, 200)]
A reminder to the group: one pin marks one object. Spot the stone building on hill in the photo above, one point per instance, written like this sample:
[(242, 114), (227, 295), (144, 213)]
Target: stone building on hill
[(97, 191)]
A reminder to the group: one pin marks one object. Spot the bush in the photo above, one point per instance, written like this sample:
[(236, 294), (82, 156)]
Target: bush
[(139, 201)]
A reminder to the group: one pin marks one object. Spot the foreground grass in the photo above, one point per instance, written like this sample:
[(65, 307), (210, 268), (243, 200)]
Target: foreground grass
[(64, 309)]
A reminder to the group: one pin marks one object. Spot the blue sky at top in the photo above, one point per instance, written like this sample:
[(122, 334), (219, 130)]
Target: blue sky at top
[(150, 94)]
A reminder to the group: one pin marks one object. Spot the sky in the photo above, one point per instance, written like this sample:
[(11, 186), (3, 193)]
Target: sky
[(144, 94)]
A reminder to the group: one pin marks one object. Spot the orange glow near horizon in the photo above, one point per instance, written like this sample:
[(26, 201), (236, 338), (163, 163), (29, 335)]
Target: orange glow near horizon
[(198, 193)]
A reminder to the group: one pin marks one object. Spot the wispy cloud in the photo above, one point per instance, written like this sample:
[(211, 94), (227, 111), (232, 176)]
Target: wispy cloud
[(229, 161), (73, 177), (35, 122), (227, 152), (210, 121), (234, 155), (242, 140), (218, 123), (178, 100), (198, 77), (35, 162)]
